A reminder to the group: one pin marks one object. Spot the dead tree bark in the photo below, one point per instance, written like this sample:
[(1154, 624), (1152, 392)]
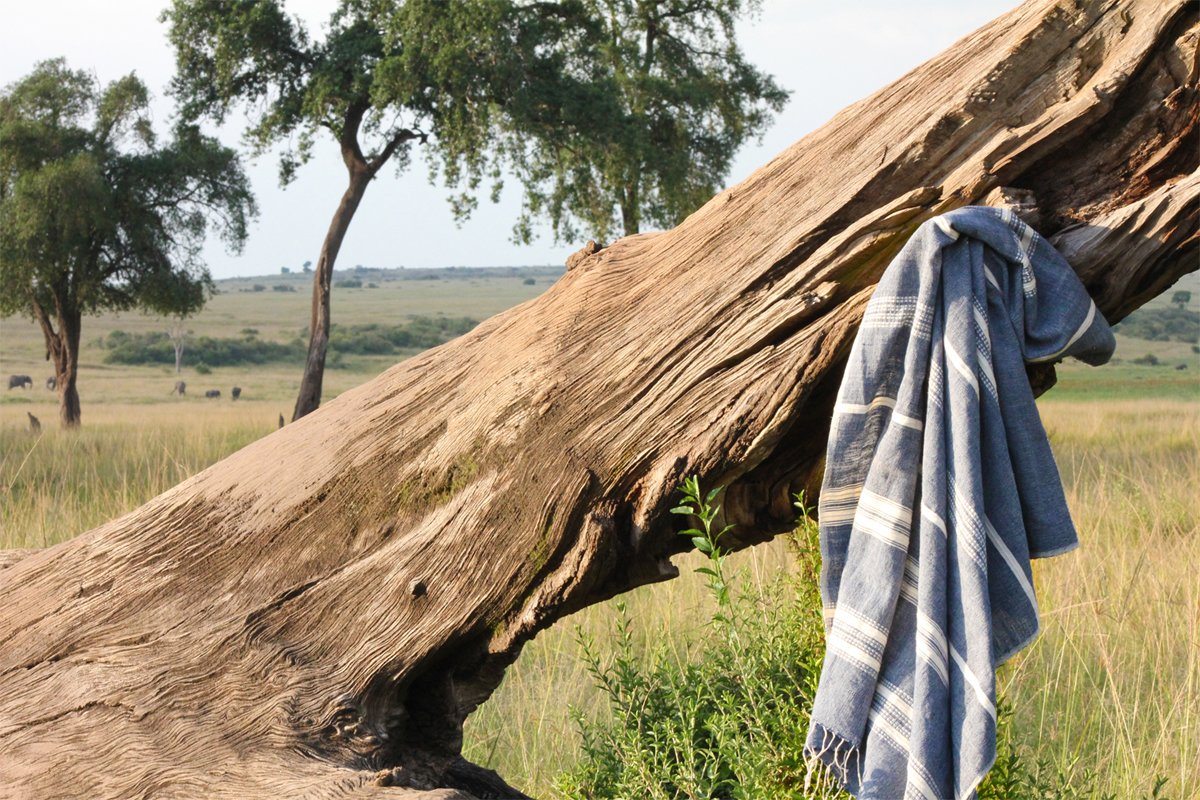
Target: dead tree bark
[(317, 614)]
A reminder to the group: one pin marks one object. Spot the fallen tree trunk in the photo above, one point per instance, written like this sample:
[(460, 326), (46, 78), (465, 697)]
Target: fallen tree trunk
[(317, 614)]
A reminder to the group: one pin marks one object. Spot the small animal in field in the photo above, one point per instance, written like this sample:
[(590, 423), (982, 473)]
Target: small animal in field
[(34, 425), (52, 383), (236, 392), (281, 420), (180, 388), (212, 393), (20, 382)]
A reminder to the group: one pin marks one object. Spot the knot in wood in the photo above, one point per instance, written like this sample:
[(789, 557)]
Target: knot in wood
[(589, 249)]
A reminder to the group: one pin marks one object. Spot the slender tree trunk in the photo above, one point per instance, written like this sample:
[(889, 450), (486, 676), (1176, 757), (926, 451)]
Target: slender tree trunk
[(309, 398), (178, 345), (62, 350), (631, 212), (317, 614), (66, 369)]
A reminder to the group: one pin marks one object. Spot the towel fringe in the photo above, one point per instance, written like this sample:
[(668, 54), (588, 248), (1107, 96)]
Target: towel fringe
[(834, 754)]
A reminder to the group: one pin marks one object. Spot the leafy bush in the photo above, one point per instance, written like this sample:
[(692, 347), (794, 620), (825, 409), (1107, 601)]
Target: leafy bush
[(348, 283), (1149, 360), (283, 287), (732, 723), (258, 287), (1171, 324), (155, 348), (418, 333), (529, 281), (203, 369)]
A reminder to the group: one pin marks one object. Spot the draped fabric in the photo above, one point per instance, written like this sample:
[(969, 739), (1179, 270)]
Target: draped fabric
[(939, 488)]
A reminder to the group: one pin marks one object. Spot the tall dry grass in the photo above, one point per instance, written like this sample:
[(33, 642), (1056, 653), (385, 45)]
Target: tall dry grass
[(1112, 686), (59, 483), (1113, 683)]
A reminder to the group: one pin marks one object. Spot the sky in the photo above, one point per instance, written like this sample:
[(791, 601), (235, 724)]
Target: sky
[(828, 54)]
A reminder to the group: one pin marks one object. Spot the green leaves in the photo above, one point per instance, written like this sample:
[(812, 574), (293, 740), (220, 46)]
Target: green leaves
[(699, 505), (93, 215), (231, 52), (252, 55), (628, 114), (727, 720)]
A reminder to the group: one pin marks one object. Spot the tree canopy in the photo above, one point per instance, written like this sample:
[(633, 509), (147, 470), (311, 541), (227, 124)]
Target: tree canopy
[(354, 83), (621, 113), (97, 215), (610, 113), (251, 55)]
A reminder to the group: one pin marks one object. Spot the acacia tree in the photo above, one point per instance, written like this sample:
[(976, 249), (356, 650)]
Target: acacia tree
[(179, 337), (250, 54), (96, 216), (641, 119)]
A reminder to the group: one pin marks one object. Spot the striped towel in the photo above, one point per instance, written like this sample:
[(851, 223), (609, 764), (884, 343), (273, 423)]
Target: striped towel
[(939, 488)]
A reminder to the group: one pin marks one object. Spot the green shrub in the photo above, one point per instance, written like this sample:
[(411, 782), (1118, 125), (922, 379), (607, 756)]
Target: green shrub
[(1149, 360), (1171, 324), (732, 722), (418, 333), (529, 281), (283, 287), (203, 369), (348, 283), (155, 348)]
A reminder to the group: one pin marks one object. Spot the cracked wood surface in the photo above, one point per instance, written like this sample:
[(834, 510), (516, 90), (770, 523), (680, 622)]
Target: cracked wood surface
[(315, 615)]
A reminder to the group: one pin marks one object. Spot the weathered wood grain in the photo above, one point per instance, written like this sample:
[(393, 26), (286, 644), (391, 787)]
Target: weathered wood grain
[(315, 615)]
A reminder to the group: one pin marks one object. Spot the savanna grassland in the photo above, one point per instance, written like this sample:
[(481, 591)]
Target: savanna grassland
[(1108, 697)]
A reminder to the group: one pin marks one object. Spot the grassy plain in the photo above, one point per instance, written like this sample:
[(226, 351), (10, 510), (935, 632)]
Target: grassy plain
[(276, 316), (1112, 686)]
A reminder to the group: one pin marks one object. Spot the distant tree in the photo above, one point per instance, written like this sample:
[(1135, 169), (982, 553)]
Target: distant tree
[(307, 267), (179, 336), (353, 84), (1181, 298), (627, 113), (285, 271), (96, 216)]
